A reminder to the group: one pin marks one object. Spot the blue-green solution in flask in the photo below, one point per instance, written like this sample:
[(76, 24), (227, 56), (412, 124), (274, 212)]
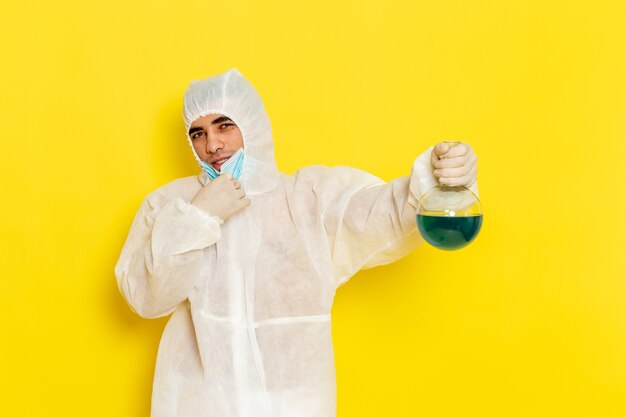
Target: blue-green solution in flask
[(449, 232)]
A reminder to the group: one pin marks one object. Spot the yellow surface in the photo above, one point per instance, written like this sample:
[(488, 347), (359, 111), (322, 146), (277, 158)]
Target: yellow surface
[(530, 320)]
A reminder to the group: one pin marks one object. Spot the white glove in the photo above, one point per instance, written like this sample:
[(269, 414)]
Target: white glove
[(221, 197), (454, 165)]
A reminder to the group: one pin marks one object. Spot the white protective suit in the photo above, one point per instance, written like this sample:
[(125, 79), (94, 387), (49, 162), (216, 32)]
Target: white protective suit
[(250, 333)]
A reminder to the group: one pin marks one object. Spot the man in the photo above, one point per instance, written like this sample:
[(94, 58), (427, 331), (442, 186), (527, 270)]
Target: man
[(249, 261)]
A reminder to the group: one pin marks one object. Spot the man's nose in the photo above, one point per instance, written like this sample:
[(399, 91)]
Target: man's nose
[(213, 144)]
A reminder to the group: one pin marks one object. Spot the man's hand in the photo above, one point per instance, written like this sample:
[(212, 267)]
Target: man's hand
[(454, 164), (221, 197)]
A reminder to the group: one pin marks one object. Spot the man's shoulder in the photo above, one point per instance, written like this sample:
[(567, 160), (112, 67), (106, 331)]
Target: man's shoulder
[(318, 171), (328, 184), (184, 188), (340, 174)]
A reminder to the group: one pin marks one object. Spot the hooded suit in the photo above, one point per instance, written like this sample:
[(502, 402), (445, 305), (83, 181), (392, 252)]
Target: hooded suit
[(250, 298)]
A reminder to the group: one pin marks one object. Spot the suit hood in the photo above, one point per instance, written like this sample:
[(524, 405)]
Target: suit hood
[(231, 95)]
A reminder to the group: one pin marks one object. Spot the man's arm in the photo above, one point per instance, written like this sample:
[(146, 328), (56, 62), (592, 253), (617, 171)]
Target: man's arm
[(162, 256), (370, 222)]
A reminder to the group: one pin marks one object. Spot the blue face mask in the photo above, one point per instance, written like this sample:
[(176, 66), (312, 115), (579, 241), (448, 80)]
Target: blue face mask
[(234, 165)]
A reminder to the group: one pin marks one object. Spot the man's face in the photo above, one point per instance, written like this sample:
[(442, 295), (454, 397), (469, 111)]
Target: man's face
[(215, 138)]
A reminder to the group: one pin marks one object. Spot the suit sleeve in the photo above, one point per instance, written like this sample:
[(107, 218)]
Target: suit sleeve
[(162, 257), (370, 222)]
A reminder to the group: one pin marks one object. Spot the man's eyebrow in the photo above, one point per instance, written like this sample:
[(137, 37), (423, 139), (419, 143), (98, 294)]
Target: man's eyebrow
[(194, 129), (220, 120), (214, 122)]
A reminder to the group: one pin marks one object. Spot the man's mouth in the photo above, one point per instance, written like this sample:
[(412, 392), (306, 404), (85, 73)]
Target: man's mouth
[(218, 164)]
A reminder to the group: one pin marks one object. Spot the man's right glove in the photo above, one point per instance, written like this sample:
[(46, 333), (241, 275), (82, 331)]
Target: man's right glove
[(221, 197)]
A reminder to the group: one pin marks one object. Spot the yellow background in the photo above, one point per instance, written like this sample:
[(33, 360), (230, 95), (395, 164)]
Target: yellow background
[(529, 320)]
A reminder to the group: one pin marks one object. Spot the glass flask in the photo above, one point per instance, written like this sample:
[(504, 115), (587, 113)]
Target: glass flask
[(449, 217)]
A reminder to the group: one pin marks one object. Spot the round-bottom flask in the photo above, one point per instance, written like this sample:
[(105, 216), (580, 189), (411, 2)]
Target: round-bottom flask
[(449, 218)]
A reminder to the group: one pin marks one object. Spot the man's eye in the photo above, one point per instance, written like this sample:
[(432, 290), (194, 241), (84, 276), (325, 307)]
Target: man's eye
[(227, 124), (195, 135)]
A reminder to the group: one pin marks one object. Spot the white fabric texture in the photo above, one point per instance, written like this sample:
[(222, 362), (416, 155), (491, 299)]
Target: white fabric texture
[(250, 333)]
